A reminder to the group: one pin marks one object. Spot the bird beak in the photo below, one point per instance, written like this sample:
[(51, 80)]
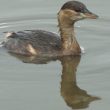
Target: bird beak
[(88, 14), (91, 15)]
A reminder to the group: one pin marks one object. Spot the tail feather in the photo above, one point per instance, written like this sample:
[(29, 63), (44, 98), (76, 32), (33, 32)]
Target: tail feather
[(11, 35)]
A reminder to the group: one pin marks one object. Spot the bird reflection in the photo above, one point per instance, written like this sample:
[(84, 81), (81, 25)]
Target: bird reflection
[(75, 97)]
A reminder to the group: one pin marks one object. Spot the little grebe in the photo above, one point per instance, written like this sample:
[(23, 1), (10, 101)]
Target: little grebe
[(39, 42)]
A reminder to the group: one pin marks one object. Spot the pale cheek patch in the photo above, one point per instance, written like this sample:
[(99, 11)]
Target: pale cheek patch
[(31, 49)]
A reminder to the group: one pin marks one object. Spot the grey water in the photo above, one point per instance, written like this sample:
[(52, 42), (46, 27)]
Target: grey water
[(58, 84)]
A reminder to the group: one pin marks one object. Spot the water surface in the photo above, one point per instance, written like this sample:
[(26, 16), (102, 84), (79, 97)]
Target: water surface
[(29, 83)]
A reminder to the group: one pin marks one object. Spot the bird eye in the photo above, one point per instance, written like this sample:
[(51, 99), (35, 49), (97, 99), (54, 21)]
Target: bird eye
[(78, 10)]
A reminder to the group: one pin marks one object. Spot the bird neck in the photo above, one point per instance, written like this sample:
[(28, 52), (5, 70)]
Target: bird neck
[(68, 40)]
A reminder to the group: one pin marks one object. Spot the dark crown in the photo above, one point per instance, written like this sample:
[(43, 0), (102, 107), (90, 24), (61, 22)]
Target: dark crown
[(75, 5)]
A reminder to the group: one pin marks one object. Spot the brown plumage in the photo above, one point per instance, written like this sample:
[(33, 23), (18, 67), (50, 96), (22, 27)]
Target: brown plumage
[(40, 42)]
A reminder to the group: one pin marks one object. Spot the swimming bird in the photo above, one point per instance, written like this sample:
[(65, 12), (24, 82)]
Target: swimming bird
[(41, 42)]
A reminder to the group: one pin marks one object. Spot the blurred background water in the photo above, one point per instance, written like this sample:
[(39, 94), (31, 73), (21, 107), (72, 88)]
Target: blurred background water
[(28, 86)]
